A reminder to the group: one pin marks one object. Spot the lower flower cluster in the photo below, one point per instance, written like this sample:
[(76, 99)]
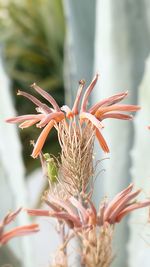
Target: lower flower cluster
[(94, 228)]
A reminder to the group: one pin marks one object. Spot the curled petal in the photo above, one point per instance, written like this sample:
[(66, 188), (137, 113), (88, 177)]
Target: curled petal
[(47, 96), (108, 101), (87, 93)]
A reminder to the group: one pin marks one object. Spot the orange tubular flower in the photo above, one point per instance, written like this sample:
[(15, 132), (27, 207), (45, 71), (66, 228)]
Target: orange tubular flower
[(17, 231), (48, 117)]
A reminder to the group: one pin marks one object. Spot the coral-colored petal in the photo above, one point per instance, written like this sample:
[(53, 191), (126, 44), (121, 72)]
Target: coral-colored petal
[(55, 115), (87, 93), (25, 118), (92, 119), (119, 116), (18, 231), (103, 110), (41, 139), (47, 96), (70, 220), (65, 205), (130, 208), (102, 141), (78, 97), (37, 212), (11, 216), (62, 204), (121, 204), (28, 123), (51, 205), (114, 202), (98, 126), (108, 101), (37, 102)]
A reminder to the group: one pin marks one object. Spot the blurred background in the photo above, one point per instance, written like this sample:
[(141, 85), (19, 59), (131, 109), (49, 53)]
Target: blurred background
[(55, 44)]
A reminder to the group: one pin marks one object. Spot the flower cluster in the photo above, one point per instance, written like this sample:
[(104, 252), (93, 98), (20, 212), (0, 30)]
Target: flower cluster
[(94, 228), (109, 211), (49, 117)]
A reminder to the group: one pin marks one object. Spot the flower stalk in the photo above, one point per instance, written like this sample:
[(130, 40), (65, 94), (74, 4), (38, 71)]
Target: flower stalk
[(70, 178)]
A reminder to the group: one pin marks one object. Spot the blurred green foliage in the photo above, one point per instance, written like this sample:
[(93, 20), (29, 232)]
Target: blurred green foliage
[(32, 35)]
